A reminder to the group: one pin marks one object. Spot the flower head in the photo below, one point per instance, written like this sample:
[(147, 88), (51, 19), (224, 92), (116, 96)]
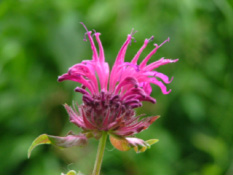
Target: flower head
[(110, 97)]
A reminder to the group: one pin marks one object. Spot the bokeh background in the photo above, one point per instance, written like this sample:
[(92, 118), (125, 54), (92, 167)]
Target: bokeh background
[(40, 39)]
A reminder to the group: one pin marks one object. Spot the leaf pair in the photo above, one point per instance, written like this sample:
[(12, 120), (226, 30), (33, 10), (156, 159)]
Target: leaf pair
[(120, 143)]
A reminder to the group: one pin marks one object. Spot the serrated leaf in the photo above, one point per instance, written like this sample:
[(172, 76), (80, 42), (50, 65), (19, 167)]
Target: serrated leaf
[(64, 142)]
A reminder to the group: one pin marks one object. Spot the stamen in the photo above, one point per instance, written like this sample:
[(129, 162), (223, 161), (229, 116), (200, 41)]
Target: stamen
[(94, 33), (131, 34), (133, 31), (84, 26), (85, 35), (151, 38), (134, 40), (167, 40), (135, 59)]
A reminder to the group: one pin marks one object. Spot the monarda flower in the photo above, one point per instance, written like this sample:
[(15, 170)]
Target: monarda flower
[(111, 97)]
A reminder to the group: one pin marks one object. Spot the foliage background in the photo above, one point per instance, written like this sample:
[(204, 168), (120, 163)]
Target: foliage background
[(40, 39)]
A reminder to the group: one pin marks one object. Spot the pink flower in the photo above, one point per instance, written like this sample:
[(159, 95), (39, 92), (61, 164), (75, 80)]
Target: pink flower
[(110, 97)]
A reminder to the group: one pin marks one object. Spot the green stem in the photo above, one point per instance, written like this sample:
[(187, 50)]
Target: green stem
[(100, 154)]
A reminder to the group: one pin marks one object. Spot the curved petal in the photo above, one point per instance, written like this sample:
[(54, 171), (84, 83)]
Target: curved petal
[(158, 63), (79, 79), (127, 81), (161, 85)]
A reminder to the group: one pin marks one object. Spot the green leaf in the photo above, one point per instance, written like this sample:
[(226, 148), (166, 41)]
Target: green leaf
[(64, 142), (42, 139), (152, 141), (147, 145)]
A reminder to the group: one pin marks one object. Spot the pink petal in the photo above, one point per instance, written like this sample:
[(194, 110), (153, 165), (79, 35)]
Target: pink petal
[(95, 55), (147, 87), (135, 59), (84, 70), (161, 85), (101, 50), (158, 63), (126, 81), (121, 55), (162, 76), (119, 60), (144, 62), (78, 79), (82, 91)]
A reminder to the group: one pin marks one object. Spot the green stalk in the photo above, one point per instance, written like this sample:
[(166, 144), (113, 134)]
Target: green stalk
[(100, 154)]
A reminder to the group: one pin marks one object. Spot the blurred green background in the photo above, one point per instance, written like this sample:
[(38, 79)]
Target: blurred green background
[(40, 40)]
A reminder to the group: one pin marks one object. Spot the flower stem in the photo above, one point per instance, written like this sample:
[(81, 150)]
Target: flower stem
[(100, 154)]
